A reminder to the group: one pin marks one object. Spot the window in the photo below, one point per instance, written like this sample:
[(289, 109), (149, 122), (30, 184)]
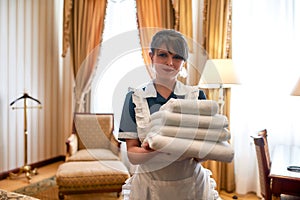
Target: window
[(120, 64), (265, 50)]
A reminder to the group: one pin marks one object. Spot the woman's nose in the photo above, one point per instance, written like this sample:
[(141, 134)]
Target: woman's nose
[(170, 61)]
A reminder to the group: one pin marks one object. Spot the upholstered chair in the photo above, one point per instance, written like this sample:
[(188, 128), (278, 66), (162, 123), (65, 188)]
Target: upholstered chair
[(93, 162), (92, 138)]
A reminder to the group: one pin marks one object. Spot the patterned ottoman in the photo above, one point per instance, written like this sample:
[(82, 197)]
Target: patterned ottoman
[(91, 176)]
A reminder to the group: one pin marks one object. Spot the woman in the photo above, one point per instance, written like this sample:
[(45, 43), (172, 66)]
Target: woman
[(159, 175)]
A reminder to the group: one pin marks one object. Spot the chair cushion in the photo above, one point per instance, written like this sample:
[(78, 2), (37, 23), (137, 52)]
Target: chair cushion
[(91, 174), (93, 154)]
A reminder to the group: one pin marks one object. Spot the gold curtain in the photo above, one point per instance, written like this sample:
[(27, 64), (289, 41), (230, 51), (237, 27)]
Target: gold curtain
[(183, 19), (83, 28), (217, 28), (217, 42)]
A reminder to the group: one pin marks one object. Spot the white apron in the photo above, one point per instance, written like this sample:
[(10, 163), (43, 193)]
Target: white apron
[(165, 177)]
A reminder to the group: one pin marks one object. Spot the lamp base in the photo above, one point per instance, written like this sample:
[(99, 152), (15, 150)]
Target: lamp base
[(26, 169), (221, 105), (221, 101)]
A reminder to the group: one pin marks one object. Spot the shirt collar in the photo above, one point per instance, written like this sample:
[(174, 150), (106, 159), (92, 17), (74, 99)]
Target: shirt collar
[(179, 90)]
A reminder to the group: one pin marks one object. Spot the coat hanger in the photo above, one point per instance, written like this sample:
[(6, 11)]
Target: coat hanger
[(26, 168), (25, 95)]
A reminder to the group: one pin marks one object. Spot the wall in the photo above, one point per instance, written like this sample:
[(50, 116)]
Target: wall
[(30, 50)]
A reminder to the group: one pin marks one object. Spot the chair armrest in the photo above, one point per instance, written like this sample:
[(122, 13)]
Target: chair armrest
[(115, 145), (71, 145)]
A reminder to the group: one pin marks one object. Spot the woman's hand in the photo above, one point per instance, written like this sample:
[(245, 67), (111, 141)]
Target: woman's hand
[(146, 146), (137, 153)]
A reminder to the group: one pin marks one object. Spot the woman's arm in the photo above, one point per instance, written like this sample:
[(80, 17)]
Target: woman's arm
[(138, 154)]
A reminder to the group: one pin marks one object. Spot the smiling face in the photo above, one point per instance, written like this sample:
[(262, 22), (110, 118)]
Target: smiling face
[(166, 63), (169, 50)]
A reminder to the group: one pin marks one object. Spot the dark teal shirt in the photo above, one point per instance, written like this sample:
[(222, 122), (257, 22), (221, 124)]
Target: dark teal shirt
[(128, 121)]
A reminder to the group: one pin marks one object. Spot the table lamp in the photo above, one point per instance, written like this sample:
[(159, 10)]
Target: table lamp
[(296, 91), (218, 73)]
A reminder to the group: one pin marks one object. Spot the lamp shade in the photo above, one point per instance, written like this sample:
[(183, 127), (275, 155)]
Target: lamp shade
[(218, 72), (296, 91)]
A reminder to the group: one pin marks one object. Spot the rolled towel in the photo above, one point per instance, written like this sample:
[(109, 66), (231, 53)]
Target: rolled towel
[(222, 134), (166, 118), (219, 151), (189, 106)]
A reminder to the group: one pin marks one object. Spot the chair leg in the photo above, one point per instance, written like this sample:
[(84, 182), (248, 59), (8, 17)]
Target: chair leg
[(118, 194), (61, 196)]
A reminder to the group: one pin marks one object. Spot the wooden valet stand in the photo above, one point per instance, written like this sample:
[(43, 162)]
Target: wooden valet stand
[(26, 168)]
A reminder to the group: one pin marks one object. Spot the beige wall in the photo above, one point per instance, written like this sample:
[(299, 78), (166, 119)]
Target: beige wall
[(30, 60)]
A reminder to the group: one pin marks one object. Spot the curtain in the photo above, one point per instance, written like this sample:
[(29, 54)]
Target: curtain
[(83, 28), (217, 42), (183, 19), (265, 50)]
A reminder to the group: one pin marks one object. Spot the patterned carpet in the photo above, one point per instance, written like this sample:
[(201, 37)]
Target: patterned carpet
[(48, 190), (5, 195), (42, 190), (46, 177)]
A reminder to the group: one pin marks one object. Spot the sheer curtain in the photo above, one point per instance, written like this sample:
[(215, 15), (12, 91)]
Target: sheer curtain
[(121, 64), (265, 50)]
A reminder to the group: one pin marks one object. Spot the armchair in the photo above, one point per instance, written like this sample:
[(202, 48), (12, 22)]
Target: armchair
[(93, 162), (92, 138)]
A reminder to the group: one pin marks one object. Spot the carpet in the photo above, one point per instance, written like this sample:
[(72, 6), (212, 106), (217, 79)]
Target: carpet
[(5, 195), (44, 189), (48, 190)]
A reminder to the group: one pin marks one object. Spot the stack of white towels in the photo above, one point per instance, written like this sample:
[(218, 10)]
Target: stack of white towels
[(191, 128)]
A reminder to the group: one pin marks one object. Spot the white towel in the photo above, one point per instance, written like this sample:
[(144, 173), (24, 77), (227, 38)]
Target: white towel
[(222, 134), (189, 106), (166, 118), (208, 150)]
